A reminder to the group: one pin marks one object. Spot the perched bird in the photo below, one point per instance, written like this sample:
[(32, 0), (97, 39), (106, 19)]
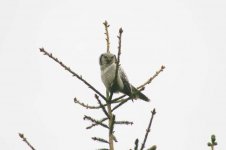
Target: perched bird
[(108, 65)]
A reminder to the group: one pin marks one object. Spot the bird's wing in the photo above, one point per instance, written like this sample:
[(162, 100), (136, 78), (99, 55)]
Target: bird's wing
[(126, 85)]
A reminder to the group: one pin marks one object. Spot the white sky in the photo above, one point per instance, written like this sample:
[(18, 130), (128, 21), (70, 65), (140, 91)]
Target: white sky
[(36, 97)]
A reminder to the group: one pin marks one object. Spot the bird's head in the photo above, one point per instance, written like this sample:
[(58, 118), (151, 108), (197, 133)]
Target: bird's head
[(107, 59)]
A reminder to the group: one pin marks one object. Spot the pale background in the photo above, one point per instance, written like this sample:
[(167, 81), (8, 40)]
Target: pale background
[(36, 94)]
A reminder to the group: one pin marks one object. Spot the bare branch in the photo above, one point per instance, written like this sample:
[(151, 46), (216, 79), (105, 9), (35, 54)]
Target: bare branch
[(154, 76), (95, 124), (121, 103), (119, 53), (72, 72), (25, 140), (136, 144), (124, 122), (213, 142), (85, 105), (119, 99), (153, 112), (101, 105), (100, 140), (106, 25), (95, 121)]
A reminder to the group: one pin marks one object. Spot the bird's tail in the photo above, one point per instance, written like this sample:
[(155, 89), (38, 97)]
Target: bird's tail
[(138, 94)]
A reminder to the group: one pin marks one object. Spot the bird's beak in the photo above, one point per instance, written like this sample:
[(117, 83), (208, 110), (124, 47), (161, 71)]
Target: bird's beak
[(109, 60)]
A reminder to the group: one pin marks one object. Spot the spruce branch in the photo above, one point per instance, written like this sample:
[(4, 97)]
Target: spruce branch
[(119, 53), (95, 124), (124, 122), (106, 25), (119, 100), (151, 78), (153, 112), (213, 142), (118, 62), (123, 101), (106, 107), (85, 105), (95, 121), (111, 120), (72, 72), (136, 144), (21, 135), (100, 140), (101, 105)]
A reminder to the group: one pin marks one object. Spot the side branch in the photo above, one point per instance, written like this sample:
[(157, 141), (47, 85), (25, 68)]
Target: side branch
[(153, 112), (118, 60), (106, 25), (102, 106), (25, 140), (100, 140), (86, 105), (95, 124), (151, 78), (119, 53), (72, 72), (95, 121)]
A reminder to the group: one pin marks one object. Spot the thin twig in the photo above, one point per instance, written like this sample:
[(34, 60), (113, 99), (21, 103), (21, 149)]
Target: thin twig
[(101, 105), (153, 112), (100, 140), (95, 121), (150, 79), (106, 25), (111, 116), (118, 57), (95, 124), (213, 142), (136, 144), (85, 105), (72, 72), (124, 122), (121, 103), (117, 62), (25, 140), (119, 99)]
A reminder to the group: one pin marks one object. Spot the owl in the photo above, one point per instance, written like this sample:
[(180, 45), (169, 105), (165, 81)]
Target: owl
[(108, 65)]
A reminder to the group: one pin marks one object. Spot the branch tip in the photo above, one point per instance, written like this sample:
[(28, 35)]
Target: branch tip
[(120, 30)]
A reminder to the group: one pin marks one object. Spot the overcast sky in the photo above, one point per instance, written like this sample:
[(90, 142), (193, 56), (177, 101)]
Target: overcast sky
[(36, 94)]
